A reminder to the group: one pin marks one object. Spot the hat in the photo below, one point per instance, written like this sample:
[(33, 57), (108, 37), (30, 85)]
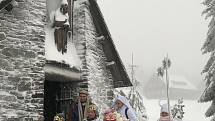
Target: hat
[(83, 92), (111, 116), (92, 107), (63, 2), (109, 110), (59, 117), (164, 108)]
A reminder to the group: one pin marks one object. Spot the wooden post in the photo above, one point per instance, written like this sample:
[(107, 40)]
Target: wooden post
[(72, 17), (167, 86), (70, 12)]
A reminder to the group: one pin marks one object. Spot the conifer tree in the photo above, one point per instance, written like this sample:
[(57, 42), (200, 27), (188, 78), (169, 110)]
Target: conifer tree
[(209, 69), (178, 110)]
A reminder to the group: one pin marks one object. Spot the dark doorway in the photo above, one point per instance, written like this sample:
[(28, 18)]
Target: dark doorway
[(51, 106), (58, 98)]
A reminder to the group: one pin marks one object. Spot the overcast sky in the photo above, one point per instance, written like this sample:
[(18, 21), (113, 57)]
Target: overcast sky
[(152, 28)]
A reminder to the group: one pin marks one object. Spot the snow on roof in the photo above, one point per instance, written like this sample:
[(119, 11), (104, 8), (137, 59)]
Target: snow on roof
[(121, 78), (51, 53), (180, 82)]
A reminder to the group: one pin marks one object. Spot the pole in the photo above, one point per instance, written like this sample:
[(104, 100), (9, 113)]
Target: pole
[(132, 81), (71, 11), (167, 86), (72, 17), (132, 68)]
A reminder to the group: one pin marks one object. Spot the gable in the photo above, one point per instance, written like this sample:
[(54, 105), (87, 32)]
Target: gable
[(180, 82), (118, 71)]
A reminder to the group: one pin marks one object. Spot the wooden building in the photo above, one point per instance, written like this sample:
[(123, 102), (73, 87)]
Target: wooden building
[(179, 87)]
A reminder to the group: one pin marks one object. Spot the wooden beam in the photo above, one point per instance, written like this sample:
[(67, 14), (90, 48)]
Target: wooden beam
[(54, 73), (111, 63), (100, 39)]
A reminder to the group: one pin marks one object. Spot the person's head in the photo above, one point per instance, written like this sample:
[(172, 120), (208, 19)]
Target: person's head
[(110, 115), (164, 114), (83, 94), (164, 110), (119, 104), (92, 112), (59, 117), (64, 7), (121, 101)]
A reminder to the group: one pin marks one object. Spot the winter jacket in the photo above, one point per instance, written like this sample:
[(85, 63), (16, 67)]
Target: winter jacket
[(74, 113), (131, 115)]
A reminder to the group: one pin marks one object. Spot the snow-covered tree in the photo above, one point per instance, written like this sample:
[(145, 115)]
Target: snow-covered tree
[(178, 110), (209, 69)]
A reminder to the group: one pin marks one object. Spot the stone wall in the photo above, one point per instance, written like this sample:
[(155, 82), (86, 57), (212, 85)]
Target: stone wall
[(94, 71), (21, 61)]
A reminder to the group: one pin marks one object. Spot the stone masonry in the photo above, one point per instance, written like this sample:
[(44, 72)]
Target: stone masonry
[(90, 51), (21, 61)]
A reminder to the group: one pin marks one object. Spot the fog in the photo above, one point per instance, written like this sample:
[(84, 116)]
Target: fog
[(152, 29)]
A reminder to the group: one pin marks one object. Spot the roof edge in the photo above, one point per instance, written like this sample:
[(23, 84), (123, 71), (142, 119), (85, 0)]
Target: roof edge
[(107, 35)]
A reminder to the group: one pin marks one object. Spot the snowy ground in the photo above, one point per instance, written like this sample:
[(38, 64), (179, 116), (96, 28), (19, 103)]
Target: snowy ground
[(194, 111)]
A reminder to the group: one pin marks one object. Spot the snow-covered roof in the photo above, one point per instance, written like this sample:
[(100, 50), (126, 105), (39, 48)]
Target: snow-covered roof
[(119, 73), (180, 82)]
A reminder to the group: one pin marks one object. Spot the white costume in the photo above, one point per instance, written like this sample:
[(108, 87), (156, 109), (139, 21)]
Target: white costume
[(130, 112)]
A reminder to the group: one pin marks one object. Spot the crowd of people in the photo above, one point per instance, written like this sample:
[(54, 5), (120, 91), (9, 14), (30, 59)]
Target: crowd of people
[(85, 110), (121, 110)]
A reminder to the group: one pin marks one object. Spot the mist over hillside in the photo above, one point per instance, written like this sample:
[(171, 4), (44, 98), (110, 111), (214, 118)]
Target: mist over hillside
[(144, 75)]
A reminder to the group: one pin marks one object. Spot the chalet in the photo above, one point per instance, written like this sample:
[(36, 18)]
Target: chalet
[(179, 87), (38, 81)]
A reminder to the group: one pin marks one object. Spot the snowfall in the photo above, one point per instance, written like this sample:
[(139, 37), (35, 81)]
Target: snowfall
[(194, 111)]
